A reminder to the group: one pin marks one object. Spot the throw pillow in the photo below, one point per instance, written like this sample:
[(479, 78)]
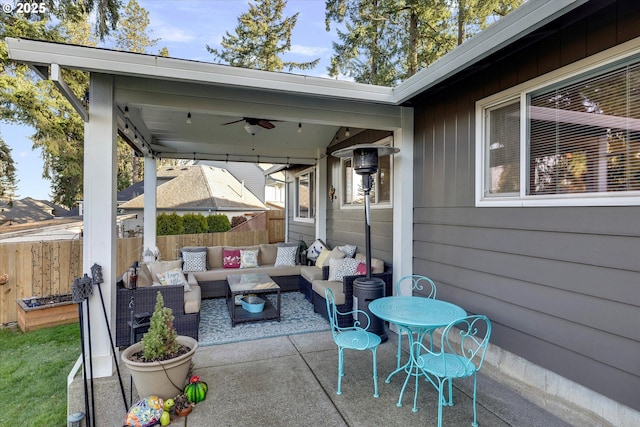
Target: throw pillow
[(194, 261), (195, 249), (349, 250), (286, 256), (315, 249), (231, 258), (249, 258), (174, 277), (324, 255), (361, 269), (342, 267)]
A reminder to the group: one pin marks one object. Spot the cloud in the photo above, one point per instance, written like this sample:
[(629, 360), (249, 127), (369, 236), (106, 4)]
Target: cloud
[(174, 35), (311, 51)]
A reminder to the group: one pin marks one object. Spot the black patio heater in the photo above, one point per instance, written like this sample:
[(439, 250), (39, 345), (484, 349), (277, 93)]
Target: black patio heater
[(366, 289)]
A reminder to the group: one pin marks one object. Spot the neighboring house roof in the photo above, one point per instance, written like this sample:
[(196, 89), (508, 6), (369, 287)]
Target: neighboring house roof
[(199, 187), (30, 210)]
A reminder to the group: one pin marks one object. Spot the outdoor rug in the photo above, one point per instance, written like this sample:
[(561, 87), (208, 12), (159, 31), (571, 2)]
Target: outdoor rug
[(296, 317)]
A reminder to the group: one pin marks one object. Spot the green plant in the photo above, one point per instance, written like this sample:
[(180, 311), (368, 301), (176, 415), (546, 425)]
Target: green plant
[(194, 223), (218, 223), (169, 224), (160, 342)]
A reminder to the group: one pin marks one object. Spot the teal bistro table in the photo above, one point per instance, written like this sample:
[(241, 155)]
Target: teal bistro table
[(414, 315)]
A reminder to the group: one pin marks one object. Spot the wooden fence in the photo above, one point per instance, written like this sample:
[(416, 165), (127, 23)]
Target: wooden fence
[(49, 267)]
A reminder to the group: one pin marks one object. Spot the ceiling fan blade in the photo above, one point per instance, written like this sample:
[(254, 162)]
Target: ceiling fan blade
[(235, 121), (266, 124)]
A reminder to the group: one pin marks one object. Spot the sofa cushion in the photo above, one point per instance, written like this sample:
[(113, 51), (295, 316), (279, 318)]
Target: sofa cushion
[(156, 267), (222, 273), (326, 254), (286, 255), (268, 252), (194, 261), (249, 258), (319, 287), (311, 272), (231, 258), (315, 249), (214, 256), (192, 300)]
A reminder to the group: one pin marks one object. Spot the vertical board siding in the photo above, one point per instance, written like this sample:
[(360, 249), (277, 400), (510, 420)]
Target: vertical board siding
[(561, 284)]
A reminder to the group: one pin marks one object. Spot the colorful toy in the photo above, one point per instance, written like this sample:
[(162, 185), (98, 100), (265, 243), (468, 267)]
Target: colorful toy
[(196, 390), (145, 413)]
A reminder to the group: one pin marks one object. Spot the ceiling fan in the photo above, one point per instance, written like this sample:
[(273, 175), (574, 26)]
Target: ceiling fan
[(253, 125)]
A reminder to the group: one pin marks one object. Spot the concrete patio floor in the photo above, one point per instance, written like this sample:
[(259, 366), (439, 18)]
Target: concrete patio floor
[(292, 380)]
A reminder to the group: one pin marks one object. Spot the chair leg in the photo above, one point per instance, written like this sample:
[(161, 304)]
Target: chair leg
[(450, 403), (340, 369), (399, 347), (375, 373), (475, 421), (441, 399)]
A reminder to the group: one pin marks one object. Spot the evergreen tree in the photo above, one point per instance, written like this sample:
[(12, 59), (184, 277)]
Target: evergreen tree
[(261, 36), (8, 179), (387, 41)]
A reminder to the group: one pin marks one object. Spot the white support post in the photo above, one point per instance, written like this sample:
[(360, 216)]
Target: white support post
[(150, 179), (99, 241), (403, 198), (321, 198)]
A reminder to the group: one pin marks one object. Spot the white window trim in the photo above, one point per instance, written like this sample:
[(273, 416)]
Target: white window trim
[(388, 141), (296, 218), (601, 59)]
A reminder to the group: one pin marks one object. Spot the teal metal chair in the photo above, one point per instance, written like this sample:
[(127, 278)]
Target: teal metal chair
[(354, 337), (462, 349), (417, 283)]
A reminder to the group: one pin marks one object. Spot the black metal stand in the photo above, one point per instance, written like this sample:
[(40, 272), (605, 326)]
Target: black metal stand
[(81, 290), (369, 288)]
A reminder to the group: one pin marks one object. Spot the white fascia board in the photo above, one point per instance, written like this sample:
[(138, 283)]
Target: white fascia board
[(519, 23), (134, 64)]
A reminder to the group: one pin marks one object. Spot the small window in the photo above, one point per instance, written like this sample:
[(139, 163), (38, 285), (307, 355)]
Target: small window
[(352, 190), (305, 196)]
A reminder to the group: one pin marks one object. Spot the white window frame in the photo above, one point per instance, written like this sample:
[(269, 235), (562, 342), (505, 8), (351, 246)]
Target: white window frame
[(388, 141), (311, 172), (606, 58)]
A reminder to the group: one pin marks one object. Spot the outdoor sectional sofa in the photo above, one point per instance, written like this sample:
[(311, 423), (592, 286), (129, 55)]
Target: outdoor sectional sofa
[(207, 278)]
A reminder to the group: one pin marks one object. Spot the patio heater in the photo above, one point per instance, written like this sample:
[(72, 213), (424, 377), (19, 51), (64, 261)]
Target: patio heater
[(366, 289)]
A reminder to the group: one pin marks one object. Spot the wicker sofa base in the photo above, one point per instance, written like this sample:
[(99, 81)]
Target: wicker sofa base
[(144, 301)]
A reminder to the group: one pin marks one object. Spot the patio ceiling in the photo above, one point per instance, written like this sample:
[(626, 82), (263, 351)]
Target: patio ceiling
[(160, 92)]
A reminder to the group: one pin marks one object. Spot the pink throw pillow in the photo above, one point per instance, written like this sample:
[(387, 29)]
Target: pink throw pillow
[(361, 269), (231, 258)]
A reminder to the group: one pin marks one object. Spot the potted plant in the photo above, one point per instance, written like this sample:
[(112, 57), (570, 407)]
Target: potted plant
[(160, 363), (182, 405)]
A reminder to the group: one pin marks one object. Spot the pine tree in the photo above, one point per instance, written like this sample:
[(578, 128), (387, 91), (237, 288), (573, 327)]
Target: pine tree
[(8, 180), (261, 37)]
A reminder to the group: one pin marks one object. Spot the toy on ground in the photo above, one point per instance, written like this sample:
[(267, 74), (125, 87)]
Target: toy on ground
[(196, 390), (145, 413)]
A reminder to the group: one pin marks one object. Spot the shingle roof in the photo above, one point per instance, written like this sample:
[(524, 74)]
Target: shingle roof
[(199, 187), (31, 210)]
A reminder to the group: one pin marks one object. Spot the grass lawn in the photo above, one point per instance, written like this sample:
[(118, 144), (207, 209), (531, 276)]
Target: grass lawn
[(34, 368)]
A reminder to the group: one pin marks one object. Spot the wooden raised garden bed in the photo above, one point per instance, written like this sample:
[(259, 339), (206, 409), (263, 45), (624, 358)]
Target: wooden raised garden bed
[(37, 313)]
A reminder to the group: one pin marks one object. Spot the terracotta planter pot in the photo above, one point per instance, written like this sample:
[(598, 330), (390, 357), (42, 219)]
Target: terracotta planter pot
[(163, 379), (184, 411)]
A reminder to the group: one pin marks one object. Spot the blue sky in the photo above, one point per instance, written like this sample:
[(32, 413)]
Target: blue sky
[(185, 27)]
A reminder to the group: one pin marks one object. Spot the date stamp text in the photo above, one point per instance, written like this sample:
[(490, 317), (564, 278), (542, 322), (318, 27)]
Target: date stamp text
[(25, 7)]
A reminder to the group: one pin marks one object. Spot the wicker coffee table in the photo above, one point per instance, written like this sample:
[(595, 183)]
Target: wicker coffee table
[(252, 283)]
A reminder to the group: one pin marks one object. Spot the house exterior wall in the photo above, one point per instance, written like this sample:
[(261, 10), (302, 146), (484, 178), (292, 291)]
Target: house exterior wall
[(560, 284)]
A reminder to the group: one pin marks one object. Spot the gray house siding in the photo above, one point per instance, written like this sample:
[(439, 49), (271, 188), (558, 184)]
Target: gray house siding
[(560, 284)]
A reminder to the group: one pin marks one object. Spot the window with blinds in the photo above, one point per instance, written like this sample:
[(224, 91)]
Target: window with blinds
[(571, 142), (585, 137)]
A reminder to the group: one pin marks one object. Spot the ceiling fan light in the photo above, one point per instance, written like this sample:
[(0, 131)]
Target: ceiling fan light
[(299, 127), (189, 118), (252, 129)]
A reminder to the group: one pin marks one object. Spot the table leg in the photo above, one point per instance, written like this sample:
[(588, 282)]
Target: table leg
[(278, 304)]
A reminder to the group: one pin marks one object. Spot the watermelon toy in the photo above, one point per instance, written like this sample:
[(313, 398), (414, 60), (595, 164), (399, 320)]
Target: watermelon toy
[(196, 390)]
